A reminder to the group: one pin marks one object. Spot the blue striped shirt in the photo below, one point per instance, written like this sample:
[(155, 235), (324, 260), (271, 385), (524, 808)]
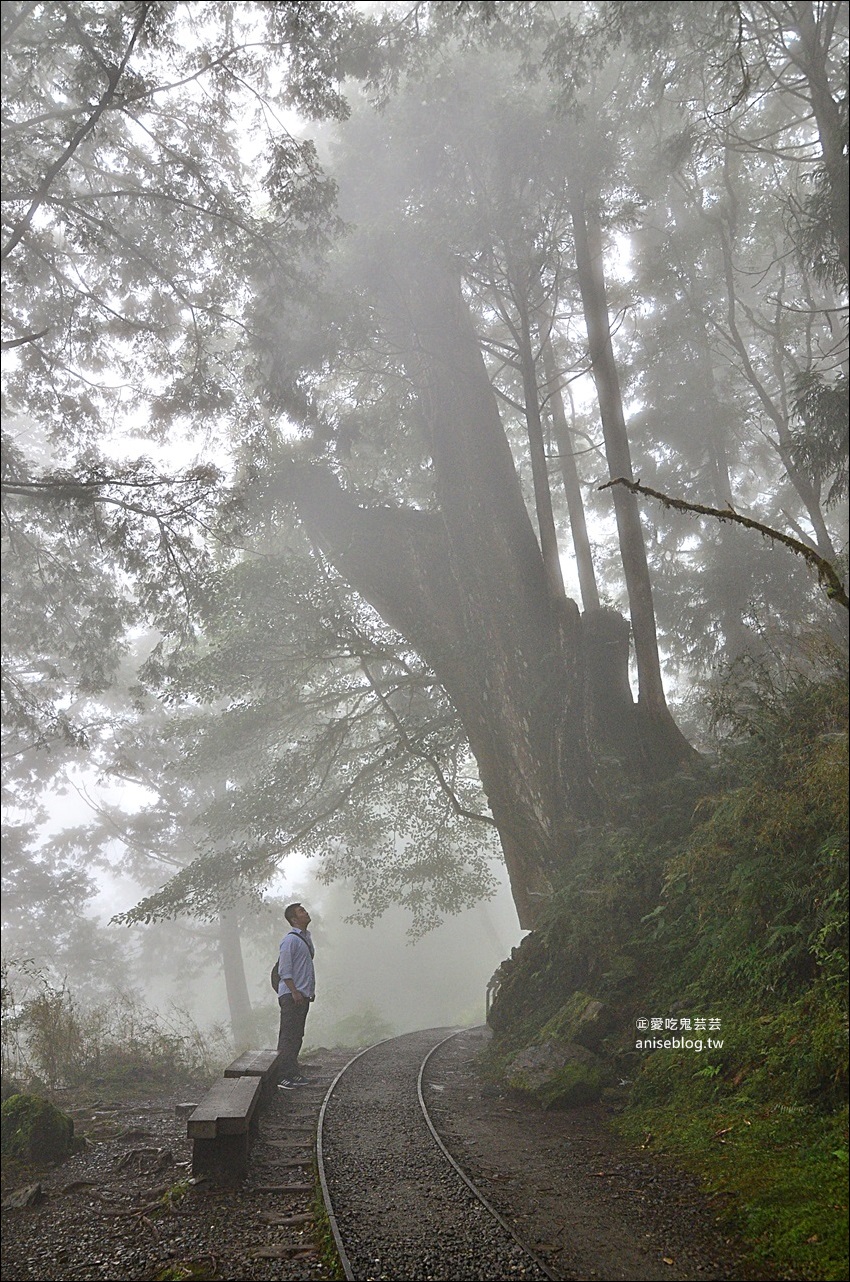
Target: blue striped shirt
[(296, 963)]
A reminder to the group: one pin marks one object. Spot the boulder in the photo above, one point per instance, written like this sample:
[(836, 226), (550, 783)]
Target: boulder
[(33, 1130), (582, 1019), (557, 1075), (594, 1024)]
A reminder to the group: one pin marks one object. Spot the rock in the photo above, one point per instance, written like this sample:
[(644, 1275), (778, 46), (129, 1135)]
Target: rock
[(558, 1075), (594, 1024), (536, 1063), (33, 1130), (583, 1019), (29, 1195)]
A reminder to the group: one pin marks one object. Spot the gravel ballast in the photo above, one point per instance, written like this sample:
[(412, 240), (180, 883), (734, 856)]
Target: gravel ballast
[(402, 1209)]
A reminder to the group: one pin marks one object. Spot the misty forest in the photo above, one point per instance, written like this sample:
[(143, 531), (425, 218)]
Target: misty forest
[(424, 494)]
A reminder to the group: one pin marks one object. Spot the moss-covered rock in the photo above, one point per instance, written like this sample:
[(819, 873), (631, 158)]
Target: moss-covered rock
[(10, 1086), (572, 1085), (582, 1019), (33, 1130), (556, 1075)]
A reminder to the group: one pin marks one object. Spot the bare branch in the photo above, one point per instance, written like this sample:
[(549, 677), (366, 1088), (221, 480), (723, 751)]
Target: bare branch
[(9, 343), (417, 751)]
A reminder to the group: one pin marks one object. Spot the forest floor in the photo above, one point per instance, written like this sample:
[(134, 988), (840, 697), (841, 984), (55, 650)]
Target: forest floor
[(592, 1208)]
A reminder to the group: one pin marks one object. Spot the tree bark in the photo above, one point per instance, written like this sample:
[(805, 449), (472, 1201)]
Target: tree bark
[(238, 999), (831, 131), (572, 487), (537, 454), (664, 739)]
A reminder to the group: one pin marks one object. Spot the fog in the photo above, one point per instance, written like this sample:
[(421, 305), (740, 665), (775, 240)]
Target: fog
[(373, 981), (320, 365)]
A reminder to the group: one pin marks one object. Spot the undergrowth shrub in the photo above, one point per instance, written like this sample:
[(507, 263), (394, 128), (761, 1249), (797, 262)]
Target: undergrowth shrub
[(764, 872), (592, 935), (52, 1041)]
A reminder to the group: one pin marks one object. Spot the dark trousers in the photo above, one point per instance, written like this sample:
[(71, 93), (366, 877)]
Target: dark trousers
[(293, 1017)]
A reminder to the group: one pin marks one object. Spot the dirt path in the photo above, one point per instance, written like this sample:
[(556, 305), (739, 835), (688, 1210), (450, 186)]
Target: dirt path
[(591, 1207)]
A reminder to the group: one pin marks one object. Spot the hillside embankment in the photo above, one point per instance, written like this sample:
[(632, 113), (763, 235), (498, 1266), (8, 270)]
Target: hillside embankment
[(691, 973)]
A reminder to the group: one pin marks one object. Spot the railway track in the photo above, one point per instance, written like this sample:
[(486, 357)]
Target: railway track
[(399, 1205)]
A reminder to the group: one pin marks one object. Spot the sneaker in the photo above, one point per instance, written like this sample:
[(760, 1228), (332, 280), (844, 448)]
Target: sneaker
[(286, 1085), (300, 1080)]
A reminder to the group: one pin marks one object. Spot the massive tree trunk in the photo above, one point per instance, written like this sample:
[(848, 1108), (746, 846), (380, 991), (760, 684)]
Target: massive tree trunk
[(466, 584)]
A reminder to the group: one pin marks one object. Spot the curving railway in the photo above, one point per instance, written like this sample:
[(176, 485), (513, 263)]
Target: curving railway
[(381, 1160), (587, 1206)]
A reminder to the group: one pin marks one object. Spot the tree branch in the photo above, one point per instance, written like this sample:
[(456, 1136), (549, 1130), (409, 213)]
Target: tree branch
[(825, 571), (9, 343), (423, 754), (84, 130)]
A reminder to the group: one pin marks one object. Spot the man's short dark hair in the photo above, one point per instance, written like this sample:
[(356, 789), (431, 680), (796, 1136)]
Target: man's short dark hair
[(289, 911)]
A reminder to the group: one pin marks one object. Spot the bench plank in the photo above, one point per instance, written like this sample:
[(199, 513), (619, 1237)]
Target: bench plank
[(224, 1159), (254, 1064), (226, 1109), (221, 1128), (241, 1065)]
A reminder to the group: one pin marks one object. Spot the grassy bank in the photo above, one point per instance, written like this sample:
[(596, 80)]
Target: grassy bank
[(783, 1175), (715, 907)]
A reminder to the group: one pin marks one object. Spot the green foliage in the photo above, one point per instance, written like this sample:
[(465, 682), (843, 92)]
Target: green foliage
[(821, 440), (336, 742), (34, 1130), (782, 1170), (766, 865), (591, 939), (726, 896)]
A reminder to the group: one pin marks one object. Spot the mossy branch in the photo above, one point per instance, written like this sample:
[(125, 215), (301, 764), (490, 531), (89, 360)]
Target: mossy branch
[(825, 570)]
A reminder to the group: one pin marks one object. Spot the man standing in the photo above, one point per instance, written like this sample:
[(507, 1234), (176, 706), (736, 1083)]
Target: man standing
[(296, 990)]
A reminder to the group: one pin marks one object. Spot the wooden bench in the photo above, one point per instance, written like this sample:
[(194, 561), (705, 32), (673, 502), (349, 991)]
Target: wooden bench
[(222, 1127), (266, 1065)]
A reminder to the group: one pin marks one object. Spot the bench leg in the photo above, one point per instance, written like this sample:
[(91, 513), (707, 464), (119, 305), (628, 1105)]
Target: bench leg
[(224, 1159)]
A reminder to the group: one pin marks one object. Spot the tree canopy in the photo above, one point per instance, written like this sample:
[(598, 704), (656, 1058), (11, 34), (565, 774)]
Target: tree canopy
[(326, 408)]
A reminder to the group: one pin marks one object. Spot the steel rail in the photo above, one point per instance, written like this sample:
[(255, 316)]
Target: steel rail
[(469, 1183), (320, 1163), (323, 1182)]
